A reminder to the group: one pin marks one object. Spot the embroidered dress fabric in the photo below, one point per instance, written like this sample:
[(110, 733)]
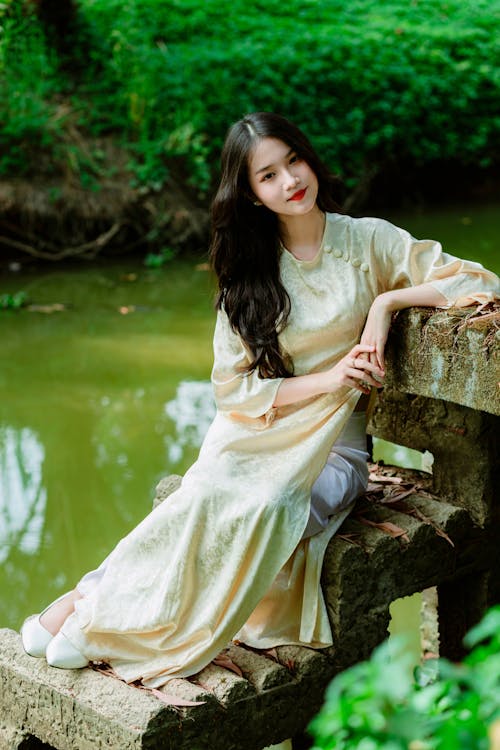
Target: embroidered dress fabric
[(224, 555)]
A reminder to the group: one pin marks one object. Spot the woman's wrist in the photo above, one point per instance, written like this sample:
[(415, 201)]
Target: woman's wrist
[(388, 301)]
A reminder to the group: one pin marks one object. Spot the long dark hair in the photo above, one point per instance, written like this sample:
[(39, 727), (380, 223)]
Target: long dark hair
[(245, 247)]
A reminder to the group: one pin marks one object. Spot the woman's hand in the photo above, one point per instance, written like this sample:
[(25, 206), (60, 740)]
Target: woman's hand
[(356, 370), (376, 329), (378, 321)]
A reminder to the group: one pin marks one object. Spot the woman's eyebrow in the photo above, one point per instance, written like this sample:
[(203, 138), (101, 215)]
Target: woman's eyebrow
[(269, 166)]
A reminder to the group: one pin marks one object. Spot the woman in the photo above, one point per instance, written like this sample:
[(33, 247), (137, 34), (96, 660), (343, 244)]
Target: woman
[(304, 306)]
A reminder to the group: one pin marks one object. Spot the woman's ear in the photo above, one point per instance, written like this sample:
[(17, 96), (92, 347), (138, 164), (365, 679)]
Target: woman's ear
[(253, 199)]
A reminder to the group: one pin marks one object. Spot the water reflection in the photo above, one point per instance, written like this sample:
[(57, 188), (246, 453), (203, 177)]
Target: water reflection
[(23, 498), (192, 410)]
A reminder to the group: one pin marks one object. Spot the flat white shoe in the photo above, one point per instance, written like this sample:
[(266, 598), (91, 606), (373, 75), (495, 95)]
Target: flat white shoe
[(34, 636), (62, 654)]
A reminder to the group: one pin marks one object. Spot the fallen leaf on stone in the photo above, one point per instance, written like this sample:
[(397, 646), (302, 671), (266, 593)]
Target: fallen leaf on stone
[(222, 660), (373, 487), (271, 653), (422, 517), (351, 538), (394, 497), (384, 479), (387, 527), (174, 700)]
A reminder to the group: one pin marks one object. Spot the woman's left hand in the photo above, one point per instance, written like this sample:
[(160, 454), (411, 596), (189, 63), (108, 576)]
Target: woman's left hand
[(376, 329)]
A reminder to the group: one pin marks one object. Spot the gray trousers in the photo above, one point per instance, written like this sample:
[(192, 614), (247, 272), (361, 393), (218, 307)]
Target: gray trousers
[(344, 476)]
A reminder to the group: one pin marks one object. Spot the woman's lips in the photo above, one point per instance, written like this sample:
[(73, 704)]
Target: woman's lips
[(298, 195)]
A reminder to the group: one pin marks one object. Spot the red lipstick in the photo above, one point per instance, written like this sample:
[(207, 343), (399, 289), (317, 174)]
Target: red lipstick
[(298, 195)]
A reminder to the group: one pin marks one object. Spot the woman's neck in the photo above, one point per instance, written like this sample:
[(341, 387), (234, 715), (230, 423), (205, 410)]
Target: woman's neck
[(302, 235)]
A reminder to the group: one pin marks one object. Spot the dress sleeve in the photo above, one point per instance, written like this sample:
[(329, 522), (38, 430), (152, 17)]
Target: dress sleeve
[(240, 395), (403, 261)]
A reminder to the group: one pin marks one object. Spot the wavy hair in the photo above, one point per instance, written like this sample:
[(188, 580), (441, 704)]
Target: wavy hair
[(245, 245)]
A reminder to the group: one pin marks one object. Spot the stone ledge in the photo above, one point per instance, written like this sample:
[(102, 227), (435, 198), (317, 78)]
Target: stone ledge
[(88, 710), (446, 354), (275, 698)]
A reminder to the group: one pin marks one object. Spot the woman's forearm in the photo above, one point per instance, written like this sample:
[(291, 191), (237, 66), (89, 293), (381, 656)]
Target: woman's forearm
[(423, 295), (354, 370), (300, 387)]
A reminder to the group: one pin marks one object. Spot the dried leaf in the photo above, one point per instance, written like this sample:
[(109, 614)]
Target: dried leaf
[(416, 513), (271, 653), (222, 660), (374, 487), (387, 527), (350, 538), (481, 318), (394, 497), (174, 700), (384, 479)]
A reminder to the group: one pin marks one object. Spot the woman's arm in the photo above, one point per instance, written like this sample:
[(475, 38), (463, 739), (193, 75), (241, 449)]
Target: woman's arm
[(355, 370), (378, 321), (364, 365)]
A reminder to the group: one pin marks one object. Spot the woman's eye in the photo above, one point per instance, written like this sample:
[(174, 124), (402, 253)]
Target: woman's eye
[(294, 159), (267, 176)]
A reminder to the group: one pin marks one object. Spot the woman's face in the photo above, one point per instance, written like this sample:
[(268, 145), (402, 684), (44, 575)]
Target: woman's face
[(281, 180)]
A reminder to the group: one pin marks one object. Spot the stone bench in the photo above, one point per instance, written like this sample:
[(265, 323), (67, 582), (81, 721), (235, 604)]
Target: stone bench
[(446, 401), (278, 693)]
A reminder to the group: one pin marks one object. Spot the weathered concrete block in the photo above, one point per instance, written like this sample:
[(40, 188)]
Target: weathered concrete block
[(84, 709), (73, 709), (464, 443), (363, 576), (447, 355)]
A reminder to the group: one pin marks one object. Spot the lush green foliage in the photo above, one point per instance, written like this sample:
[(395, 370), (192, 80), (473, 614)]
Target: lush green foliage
[(369, 82), (12, 301), (377, 705)]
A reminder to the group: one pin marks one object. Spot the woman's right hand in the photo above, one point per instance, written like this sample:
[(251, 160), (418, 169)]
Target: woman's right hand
[(356, 371)]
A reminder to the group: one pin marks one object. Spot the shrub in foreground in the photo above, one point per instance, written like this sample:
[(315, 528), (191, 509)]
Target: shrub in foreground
[(377, 705)]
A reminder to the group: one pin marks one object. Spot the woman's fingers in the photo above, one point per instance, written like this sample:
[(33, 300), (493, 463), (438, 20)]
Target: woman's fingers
[(360, 363), (353, 383), (360, 349), (363, 377)]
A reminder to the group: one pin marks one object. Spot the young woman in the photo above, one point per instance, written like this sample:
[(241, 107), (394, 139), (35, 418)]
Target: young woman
[(304, 307)]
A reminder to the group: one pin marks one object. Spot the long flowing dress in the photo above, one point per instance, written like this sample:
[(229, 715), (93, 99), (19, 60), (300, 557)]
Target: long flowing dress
[(224, 556)]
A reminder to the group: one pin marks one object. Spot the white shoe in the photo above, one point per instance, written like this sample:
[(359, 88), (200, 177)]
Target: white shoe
[(34, 636), (62, 654)]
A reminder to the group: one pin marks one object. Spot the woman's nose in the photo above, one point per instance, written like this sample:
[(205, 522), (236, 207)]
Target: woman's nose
[(289, 180)]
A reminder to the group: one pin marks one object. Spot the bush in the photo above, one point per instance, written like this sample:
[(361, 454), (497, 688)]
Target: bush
[(369, 82), (376, 705)]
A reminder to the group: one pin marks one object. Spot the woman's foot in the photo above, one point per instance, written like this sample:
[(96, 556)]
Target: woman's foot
[(38, 630), (53, 616), (62, 654)]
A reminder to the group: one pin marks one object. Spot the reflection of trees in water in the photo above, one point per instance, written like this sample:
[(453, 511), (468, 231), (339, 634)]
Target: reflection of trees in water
[(192, 410), (23, 498)]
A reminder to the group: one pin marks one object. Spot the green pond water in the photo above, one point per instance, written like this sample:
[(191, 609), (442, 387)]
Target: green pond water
[(101, 400)]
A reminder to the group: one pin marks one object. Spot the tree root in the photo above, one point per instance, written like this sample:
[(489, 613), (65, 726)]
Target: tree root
[(88, 250)]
